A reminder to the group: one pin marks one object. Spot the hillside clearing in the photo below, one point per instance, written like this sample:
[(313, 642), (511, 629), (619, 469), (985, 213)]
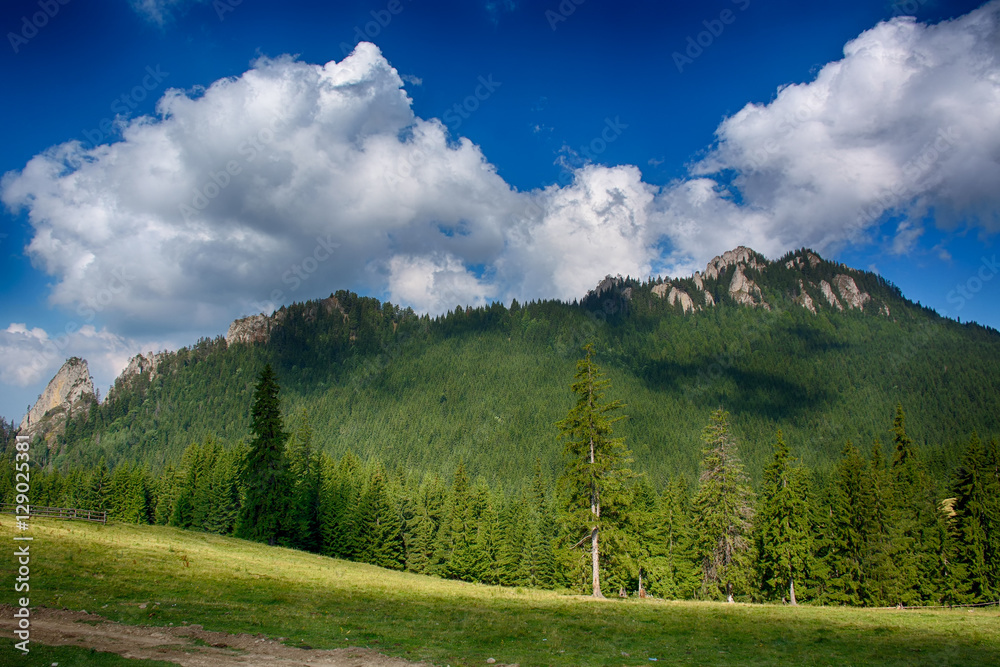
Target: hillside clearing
[(171, 578)]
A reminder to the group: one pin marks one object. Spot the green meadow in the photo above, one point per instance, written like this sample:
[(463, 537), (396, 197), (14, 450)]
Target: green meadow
[(155, 575)]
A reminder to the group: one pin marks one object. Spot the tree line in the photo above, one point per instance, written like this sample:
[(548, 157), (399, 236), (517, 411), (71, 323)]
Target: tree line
[(876, 530)]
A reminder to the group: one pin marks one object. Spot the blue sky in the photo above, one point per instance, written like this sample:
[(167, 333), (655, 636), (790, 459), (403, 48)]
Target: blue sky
[(171, 165)]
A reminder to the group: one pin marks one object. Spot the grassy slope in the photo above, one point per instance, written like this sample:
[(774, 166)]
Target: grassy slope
[(231, 585)]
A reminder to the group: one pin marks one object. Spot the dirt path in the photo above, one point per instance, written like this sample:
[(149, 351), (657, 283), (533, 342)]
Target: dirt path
[(189, 645)]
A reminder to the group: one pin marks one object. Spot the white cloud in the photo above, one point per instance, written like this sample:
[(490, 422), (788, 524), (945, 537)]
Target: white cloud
[(294, 179), (908, 120), (32, 356), (243, 192), (567, 238), (435, 284)]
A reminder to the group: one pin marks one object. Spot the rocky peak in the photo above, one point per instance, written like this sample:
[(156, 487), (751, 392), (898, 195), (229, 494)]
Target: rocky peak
[(250, 330), (800, 261), (142, 363), (607, 285), (67, 391), (740, 255)]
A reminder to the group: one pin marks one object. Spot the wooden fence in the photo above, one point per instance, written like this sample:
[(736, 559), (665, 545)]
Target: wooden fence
[(58, 512)]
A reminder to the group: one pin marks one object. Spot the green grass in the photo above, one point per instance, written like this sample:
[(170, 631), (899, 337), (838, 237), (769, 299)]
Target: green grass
[(74, 656), (230, 585)]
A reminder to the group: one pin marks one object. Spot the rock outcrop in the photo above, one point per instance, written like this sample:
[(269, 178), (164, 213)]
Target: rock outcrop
[(70, 388), (676, 295), (849, 292), (830, 296), (804, 300), (142, 363), (739, 256), (744, 291), (800, 261), (249, 330)]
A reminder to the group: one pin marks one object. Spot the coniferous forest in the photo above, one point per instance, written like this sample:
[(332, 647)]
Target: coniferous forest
[(877, 531), (728, 453)]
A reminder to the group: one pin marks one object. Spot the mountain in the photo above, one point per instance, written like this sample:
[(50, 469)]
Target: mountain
[(816, 348), (68, 393)]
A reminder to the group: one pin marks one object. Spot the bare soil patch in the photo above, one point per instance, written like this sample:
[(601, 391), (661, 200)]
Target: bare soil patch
[(189, 645)]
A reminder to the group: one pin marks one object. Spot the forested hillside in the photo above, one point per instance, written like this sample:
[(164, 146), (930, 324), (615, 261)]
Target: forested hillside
[(485, 385)]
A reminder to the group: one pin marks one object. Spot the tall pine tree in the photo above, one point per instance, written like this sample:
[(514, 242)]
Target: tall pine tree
[(265, 472), (724, 513), (783, 533), (596, 474)]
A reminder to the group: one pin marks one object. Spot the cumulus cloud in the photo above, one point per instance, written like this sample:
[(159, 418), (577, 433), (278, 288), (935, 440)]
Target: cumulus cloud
[(295, 179), (32, 356), (906, 122)]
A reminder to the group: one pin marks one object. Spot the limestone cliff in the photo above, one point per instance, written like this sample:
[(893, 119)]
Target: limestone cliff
[(249, 330), (849, 292), (68, 391)]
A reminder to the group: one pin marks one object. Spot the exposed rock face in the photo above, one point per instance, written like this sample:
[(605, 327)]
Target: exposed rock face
[(884, 310), (830, 296), (743, 290), (141, 363), (249, 330), (804, 299), (853, 297), (63, 395), (675, 295), (609, 284), (739, 256), (699, 283), (709, 299), (799, 261)]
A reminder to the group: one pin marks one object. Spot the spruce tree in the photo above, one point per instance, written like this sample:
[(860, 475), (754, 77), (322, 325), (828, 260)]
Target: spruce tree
[(724, 513), (783, 532), (916, 523), (265, 474), (305, 482), (381, 526), (976, 491), (596, 475), (675, 571), (850, 527)]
